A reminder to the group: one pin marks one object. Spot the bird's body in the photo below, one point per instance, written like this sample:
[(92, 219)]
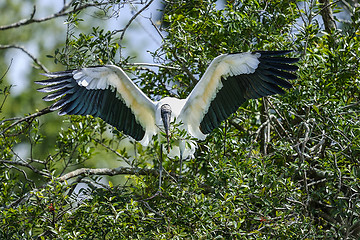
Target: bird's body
[(107, 92)]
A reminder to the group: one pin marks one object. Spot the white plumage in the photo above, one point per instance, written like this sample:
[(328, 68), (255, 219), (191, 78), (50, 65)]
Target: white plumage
[(107, 92)]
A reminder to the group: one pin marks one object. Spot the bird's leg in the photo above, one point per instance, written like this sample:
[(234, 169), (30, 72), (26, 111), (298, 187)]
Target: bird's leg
[(168, 142), (180, 170), (160, 167), (182, 148)]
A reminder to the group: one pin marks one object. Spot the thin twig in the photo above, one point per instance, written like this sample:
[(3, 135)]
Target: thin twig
[(5, 92), (62, 12), (30, 117), (27, 53), (153, 65), (187, 71), (109, 172), (7, 70), (327, 15), (27, 165), (132, 19), (114, 151), (157, 29)]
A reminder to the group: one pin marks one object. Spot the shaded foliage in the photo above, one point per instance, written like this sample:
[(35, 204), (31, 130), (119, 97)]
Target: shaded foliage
[(284, 167)]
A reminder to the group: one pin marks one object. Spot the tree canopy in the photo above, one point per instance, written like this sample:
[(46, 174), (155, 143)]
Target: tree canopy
[(281, 167)]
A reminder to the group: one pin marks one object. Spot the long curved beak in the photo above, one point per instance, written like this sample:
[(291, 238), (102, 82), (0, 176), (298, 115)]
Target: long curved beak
[(166, 118)]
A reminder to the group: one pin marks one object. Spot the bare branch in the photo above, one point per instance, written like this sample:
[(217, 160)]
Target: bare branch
[(5, 92), (27, 165), (28, 53), (183, 67), (7, 70), (327, 15), (109, 172), (27, 118), (113, 151), (156, 28), (153, 65), (133, 18), (265, 130), (63, 12), (236, 125)]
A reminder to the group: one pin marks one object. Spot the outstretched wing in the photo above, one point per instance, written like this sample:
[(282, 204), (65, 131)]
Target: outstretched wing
[(229, 81), (105, 92)]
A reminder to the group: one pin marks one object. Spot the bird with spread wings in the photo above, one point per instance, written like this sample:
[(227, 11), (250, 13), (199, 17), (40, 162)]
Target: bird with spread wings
[(230, 79)]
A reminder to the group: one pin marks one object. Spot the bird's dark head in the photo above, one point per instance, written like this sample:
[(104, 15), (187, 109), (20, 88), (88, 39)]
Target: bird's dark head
[(166, 119)]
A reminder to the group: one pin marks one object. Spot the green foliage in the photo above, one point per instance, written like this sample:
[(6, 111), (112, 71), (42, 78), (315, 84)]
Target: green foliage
[(285, 167), (88, 49)]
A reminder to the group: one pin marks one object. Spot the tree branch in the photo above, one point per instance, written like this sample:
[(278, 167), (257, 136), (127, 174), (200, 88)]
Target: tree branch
[(27, 53), (133, 18), (30, 117), (327, 15), (152, 65), (63, 12), (187, 71), (109, 172), (27, 165)]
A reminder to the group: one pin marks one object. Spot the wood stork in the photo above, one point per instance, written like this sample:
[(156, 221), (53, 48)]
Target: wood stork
[(231, 79)]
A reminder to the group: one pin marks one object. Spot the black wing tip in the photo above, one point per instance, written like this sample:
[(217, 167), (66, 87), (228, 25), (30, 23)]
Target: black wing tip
[(274, 61), (275, 55), (286, 86), (44, 90), (54, 80), (48, 99), (53, 75), (45, 82)]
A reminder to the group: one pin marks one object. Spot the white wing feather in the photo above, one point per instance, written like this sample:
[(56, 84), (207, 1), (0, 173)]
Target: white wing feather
[(141, 106), (199, 100)]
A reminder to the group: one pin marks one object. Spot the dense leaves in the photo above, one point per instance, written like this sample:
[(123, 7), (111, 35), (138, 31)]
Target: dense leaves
[(284, 167)]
